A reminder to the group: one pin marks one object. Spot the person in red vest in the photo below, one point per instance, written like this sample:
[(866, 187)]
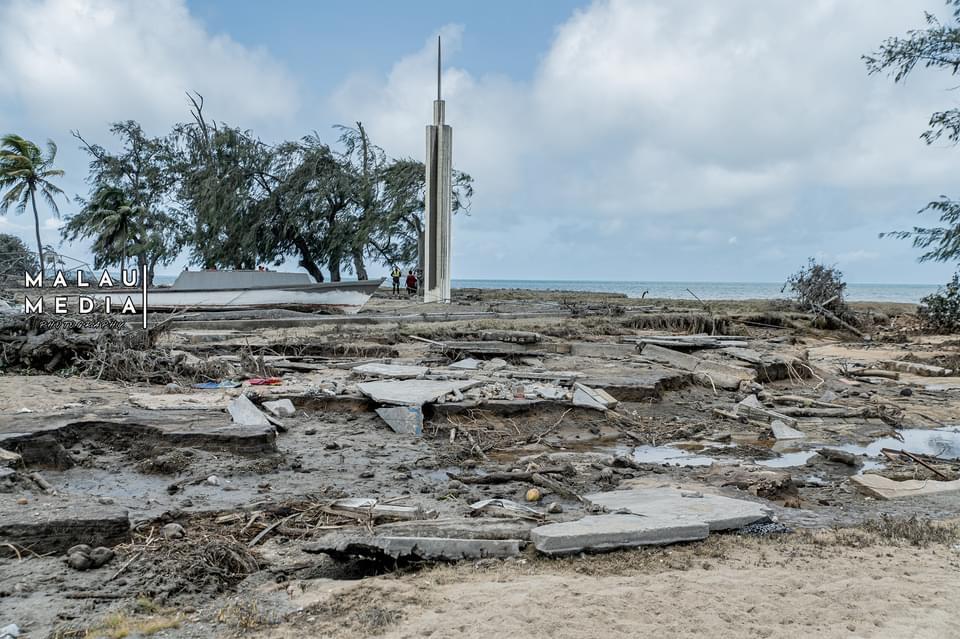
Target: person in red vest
[(411, 284)]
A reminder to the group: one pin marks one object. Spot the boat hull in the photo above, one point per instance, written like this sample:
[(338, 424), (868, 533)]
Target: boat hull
[(337, 297)]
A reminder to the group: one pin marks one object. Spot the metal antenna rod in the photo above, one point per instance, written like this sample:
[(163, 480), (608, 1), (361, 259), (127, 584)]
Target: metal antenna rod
[(438, 68)]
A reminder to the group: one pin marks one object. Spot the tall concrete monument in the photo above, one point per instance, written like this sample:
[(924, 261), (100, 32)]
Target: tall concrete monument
[(438, 203)]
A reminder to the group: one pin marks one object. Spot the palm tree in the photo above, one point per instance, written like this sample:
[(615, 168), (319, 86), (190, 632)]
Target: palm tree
[(24, 171), (112, 222)]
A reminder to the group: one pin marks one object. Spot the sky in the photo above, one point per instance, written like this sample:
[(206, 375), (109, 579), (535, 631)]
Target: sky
[(609, 140)]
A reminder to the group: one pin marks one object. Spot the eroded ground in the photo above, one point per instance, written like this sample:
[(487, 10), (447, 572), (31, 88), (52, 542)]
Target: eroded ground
[(113, 463)]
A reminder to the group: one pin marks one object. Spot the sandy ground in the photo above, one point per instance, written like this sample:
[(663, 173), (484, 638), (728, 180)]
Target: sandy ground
[(728, 586)]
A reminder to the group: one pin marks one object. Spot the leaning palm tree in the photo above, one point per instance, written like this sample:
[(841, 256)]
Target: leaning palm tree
[(24, 171)]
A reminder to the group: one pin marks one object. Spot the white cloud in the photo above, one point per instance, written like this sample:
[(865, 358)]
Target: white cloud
[(86, 62), (683, 122)]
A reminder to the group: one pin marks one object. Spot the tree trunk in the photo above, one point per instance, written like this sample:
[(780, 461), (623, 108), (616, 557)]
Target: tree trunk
[(334, 266), (306, 259), (359, 266), (36, 224)]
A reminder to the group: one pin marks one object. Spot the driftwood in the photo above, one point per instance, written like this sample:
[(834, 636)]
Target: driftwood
[(505, 477), (866, 411), (874, 372)]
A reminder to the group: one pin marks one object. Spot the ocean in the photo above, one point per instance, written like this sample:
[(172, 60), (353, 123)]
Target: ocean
[(909, 293)]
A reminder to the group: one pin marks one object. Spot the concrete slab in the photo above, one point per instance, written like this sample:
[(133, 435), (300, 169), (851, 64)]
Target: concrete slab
[(718, 513), (412, 392), (469, 364), (54, 523), (597, 533), (344, 545), (406, 420), (245, 413), (641, 385), (587, 397), (883, 488), (281, 407), (32, 435), (782, 431), (391, 371)]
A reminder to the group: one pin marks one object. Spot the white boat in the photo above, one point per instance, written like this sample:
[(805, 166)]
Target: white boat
[(235, 290)]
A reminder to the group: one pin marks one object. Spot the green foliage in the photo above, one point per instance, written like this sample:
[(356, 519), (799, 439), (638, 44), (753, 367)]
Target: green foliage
[(24, 172), (941, 310), (130, 213), (15, 258), (936, 46), (817, 284)]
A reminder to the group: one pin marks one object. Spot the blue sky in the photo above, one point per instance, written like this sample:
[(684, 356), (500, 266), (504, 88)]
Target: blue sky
[(624, 140)]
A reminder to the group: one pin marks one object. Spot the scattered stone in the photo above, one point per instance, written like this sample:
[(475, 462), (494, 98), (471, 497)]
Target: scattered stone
[(213, 480), (405, 420), (906, 392), (764, 529), (79, 548), (101, 556), (22, 501), (829, 397), (840, 456), (281, 408), (554, 508), (106, 501), (173, 531), (246, 413), (313, 431), (534, 494), (11, 631), (79, 561), (782, 431)]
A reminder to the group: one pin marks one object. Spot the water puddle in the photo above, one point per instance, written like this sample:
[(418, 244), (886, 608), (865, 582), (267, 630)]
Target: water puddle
[(939, 442), (668, 455)]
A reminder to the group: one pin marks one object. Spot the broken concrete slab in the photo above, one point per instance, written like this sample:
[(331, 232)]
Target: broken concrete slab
[(9, 458), (55, 523), (505, 508), (597, 533), (460, 528), (916, 368), (245, 413), (281, 408), (706, 372), (343, 545), (751, 407), (207, 400), (41, 437), (782, 431), (593, 349), (405, 420), (595, 398), (639, 385), (412, 392), (391, 371), (883, 488), (719, 513), (468, 364)]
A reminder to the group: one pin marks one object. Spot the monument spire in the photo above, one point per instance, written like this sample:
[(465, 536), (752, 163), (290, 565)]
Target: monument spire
[(438, 201)]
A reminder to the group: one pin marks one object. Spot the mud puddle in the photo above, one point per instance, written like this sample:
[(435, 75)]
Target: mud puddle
[(939, 442)]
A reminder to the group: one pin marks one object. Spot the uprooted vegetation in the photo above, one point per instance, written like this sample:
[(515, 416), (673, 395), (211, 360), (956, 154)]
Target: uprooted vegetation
[(940, 312)]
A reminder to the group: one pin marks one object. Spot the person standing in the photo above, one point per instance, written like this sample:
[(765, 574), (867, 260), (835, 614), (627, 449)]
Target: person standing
[(411, 284), (395, 274)]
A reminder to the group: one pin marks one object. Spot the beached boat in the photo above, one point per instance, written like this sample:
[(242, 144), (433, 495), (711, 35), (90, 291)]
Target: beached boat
[(234, 290)]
